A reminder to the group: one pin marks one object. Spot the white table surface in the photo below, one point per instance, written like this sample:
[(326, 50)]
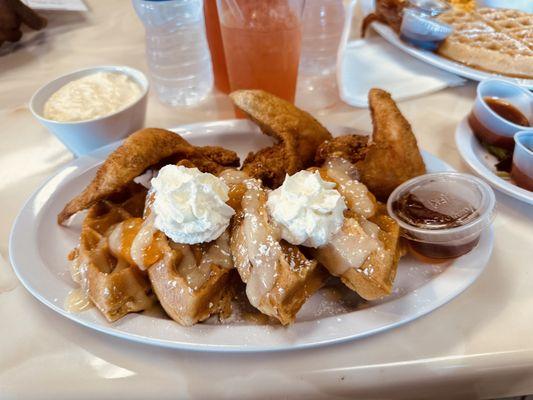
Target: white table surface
[(480, 345)]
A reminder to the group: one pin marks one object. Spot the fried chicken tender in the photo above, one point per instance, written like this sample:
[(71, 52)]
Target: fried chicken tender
[(297, 134), (393, 156), (141, 150)]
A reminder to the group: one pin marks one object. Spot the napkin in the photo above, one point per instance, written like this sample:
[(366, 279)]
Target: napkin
[(374, 62), (61, 5)]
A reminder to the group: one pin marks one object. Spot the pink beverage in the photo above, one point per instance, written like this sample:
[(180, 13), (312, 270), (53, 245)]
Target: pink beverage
[(262, 40)]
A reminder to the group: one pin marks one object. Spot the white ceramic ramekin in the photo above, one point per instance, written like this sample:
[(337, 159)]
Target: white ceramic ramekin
[(81, 137)]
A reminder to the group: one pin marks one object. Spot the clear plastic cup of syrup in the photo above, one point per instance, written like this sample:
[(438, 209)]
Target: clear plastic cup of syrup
[(442, 215)]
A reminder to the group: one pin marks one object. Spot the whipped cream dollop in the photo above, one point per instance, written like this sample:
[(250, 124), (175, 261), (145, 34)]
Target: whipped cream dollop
[(189, 205), (308, 209)]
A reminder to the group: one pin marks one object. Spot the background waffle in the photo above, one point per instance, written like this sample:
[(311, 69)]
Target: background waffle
[(494, 40)]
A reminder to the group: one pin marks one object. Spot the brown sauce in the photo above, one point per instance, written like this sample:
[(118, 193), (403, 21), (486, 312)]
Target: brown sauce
[(507, 111), (484, 134), (522, 179), (441, 251), (430, 209)]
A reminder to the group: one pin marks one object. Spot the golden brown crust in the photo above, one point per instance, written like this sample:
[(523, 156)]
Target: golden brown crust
[(268, 165), (220, 155), (141, 150), (393, 156), (297, 131), (350, 147)]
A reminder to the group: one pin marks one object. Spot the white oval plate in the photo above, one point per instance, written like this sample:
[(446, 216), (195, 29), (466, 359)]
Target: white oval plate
[(39, 247), (482, 162), (367, 6)]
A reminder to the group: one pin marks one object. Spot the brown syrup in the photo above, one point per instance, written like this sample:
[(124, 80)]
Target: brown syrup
[(485, 135), (432, 209), (507, 111), (441, 252)]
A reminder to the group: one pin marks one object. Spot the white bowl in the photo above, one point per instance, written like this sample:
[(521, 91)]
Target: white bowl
[(81, 137)]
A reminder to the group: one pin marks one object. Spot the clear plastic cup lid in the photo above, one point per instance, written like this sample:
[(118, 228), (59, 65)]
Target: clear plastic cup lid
[(442, 207)]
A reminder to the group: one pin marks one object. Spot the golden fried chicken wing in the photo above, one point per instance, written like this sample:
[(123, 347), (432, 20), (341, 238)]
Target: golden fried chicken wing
[(393, 156), (297, 133)]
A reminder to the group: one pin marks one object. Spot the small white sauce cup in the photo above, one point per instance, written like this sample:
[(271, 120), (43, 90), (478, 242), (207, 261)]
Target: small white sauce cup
[(82, 137), (522, 171), (501, 129)]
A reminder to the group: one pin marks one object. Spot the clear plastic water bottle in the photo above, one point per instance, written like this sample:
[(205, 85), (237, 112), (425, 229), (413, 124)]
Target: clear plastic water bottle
[(323, 21), (176, 48)]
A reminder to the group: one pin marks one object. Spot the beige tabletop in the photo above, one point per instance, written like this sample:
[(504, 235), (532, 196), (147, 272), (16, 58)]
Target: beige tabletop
[(478, 345)]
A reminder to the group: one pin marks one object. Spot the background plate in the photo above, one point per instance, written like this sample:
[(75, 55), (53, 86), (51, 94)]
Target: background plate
[(38, 249), (482, 162), (367, 6)]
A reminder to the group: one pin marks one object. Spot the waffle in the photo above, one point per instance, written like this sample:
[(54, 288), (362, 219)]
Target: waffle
[(190, 281), (111, 282), (279, 277), (373, 279), (493, 40), (365, 252)]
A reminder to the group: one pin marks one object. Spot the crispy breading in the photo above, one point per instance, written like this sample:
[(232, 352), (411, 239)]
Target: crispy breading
[(297, 133), (268, 165), (220, 155), (204, 163), (350, 147), (141, 150), (393, 156)]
